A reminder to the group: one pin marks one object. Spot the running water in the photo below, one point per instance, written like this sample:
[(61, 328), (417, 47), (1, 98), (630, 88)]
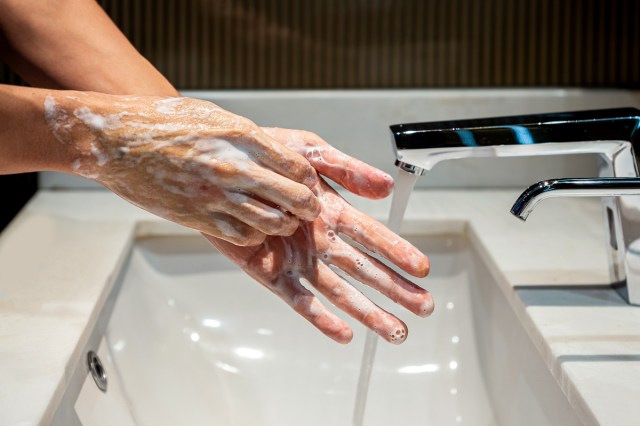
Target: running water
[(402, 190)]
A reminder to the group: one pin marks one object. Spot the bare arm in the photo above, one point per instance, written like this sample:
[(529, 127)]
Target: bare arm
[(315, 246), (27, 144), (72, 44), (186, 160)]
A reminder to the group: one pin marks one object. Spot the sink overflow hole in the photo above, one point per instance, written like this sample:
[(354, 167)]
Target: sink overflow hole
[(97, 370)]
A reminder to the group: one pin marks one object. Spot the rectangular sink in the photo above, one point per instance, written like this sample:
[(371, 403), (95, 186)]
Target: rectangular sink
[(193, 340)]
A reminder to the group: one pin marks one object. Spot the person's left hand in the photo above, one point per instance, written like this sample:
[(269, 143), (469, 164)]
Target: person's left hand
[(280, 263)]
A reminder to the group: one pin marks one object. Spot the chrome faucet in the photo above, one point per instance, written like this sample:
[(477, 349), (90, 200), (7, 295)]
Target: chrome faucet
[(610, 133)]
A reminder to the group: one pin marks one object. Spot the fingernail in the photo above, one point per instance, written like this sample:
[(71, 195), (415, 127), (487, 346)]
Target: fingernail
[(427, 307), (388, 179), (339, 331), (420, 265), (345, 336), (425, 267)]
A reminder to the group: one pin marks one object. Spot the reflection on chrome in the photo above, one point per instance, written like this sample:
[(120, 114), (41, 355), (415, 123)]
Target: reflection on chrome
[(249, 353), (194, 336), (455, 339), (226, 367), (417, 369), (453, 365), (612, 134), (210, 322)]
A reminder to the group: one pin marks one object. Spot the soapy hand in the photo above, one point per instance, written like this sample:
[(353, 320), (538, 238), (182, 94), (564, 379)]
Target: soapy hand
[(188, 161), (280, 263)]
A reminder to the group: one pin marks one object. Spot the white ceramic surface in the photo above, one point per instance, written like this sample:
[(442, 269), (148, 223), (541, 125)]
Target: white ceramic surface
[(192, 340), (52, 292), (196, 341), (59, 259)]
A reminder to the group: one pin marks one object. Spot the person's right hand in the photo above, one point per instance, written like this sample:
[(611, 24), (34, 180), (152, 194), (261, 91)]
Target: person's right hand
[(188, 161)]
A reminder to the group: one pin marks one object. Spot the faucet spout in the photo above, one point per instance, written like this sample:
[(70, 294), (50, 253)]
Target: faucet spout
[(580, 187), (610, 133), (410, 168)]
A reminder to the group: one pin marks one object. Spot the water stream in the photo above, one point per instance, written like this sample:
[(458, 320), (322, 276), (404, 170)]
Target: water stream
[(404, 184)]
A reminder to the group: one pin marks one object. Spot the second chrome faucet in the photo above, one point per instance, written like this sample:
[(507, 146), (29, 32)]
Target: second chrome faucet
[(611, 134)]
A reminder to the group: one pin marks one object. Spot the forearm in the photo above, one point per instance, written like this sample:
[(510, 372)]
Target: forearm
[(26, 142), (69, 44), (72, 44)]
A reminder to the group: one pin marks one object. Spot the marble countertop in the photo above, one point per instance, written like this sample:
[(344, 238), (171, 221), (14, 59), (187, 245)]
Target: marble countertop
[(60, 257)]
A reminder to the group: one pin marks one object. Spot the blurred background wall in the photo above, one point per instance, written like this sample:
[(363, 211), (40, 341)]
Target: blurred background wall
[(294, 44), (356, 44)]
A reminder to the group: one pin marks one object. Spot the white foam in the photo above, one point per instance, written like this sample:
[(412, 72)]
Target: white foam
[(99, 154), (168, 105), (92, 120)]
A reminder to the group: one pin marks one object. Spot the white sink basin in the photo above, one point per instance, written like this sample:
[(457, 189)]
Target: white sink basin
[(192, 340)]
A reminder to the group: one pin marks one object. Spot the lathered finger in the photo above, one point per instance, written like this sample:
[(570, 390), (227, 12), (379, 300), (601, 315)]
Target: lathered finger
[(351, 173), (253, 260), (371, 234), (375, 274), (377, 238), (253, 212), (349, 299), (289, 195), (228, 228), (307, 304), (284, 161)]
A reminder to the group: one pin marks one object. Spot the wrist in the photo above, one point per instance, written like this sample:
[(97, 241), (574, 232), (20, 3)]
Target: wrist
[(77, 121), (26, 142)]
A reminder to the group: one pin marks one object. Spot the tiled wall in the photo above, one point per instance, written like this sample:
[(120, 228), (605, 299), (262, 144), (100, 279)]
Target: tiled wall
[(219, 44)]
